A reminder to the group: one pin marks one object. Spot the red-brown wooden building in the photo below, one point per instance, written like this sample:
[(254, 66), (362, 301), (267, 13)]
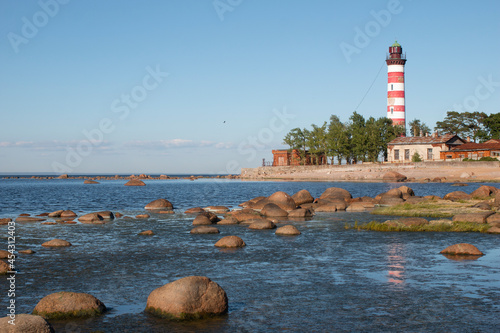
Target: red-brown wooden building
[(475, 151), (285, 157)]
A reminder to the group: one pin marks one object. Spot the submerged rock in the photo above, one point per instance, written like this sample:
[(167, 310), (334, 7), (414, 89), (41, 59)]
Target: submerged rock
[(192, 297), (25, 323), (135, 182), (204, 229), (88, 181), (462, 249), (56, 243), (230, 242), (147, 233), (262, 225), (64, 304), (158, 204), (287, 230)]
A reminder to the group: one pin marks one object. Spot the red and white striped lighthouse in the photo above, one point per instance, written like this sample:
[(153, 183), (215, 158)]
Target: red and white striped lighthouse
[(396, 84)]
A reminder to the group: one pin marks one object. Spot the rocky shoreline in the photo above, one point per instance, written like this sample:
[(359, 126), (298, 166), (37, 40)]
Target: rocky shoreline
[(374, 172)]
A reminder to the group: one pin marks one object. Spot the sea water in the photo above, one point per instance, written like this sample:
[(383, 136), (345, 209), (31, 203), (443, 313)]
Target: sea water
[(328, 279)]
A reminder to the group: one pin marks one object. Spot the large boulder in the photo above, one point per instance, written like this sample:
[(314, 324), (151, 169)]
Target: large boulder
[(287, 230), (64, 304), (211, 216), (473, 217), (494, 220), (262, 225), (90, 218), (462, 249), (201, 220), (302, 197), (194, 210), (67, 214), (228, 221), (245, 214), (457, 196), (331, 205), (4, 267), (230, 242), (192, 297), (300, 213), (135, 182), (283, 200), (5, 221), (56, 213), (406, 191), (25, 323), (251, 202), (273, 210), (158, 204), (88, 181), (56, 243), (393, 176), (4, 254), (484, 192), (336, 193)]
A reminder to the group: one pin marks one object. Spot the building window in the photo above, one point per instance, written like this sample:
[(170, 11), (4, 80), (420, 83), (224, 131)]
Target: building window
[(429, 154), (392, 110), (481, 155), (461, 156), (407, 154), (392, 87), (396, 154)]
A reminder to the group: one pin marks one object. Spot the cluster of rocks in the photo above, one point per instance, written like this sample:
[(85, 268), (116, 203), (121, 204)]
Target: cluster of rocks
[(94, 180), (188, 298)]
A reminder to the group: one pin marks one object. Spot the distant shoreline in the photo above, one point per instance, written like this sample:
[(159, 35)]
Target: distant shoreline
[(450, 172)]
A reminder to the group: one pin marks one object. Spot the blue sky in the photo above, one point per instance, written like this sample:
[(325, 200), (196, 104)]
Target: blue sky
[(195, 86)]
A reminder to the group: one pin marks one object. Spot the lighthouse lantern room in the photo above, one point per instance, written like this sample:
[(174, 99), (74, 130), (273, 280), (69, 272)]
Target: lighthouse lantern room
[(396, 84)]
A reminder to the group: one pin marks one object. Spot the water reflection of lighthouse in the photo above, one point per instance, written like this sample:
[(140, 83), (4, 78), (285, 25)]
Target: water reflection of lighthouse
[(396, 263)]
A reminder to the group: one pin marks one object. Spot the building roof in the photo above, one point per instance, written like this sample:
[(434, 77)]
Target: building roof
[(425, 140), (472, 146), (396, 44)]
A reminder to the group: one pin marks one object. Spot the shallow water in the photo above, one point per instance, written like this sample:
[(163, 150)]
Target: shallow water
[(328, 279)]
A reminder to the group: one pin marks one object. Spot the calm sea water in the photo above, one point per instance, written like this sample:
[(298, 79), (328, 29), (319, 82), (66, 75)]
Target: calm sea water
[(328, 279)]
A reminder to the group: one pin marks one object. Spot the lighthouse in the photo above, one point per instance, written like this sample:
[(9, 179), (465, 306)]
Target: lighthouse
[(396, 84)]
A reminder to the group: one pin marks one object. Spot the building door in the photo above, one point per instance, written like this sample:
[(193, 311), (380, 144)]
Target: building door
[(407, 154)]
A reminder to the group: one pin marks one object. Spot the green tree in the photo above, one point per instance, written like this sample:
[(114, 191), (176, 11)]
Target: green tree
[(418, 128), (416, 157), (374, 139), (357, 130), (388, 132), (319, 142), (338, 140), (296, 139), (465, 124), (492, 127)]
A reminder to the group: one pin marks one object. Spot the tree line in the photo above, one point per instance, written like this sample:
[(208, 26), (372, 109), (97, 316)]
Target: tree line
[(357, 140), (360, 140)]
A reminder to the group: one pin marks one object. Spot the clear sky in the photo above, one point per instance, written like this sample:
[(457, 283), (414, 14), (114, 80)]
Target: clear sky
[(203, 86)]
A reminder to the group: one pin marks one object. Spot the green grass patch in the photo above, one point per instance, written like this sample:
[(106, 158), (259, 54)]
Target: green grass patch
[(441, 227), (435, 209)]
